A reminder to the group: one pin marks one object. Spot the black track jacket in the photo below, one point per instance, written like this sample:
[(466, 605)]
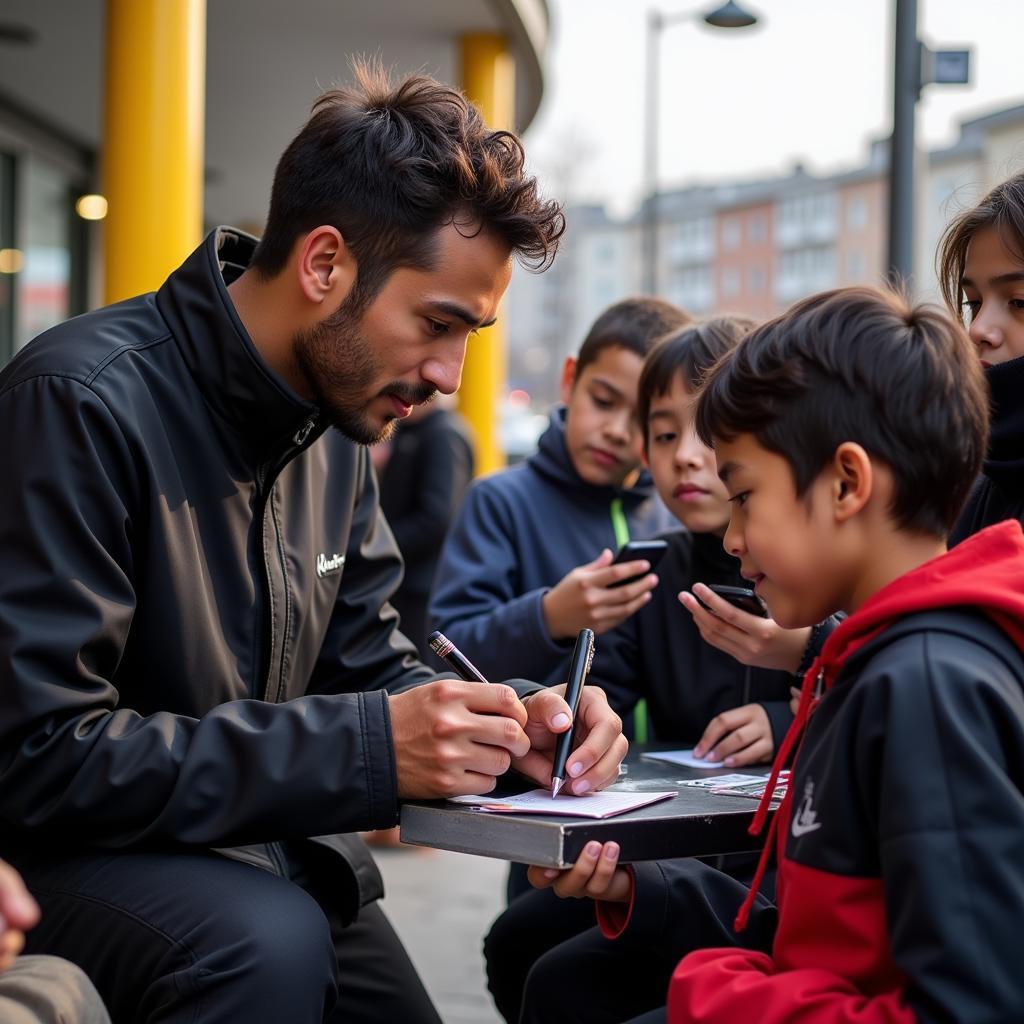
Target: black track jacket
[(195, 642)]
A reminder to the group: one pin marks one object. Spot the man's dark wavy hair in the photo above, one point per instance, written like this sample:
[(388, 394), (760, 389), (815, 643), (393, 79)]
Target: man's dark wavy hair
[(862, 365), (387, 165)]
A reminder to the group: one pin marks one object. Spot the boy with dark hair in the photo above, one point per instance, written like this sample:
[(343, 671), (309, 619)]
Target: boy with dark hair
[(518, 577), (848, 433)]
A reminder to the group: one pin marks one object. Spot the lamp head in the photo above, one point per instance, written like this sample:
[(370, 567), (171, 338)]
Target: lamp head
[(730, 15)]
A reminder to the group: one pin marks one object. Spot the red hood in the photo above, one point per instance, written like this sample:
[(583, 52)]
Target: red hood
[(985, 571)]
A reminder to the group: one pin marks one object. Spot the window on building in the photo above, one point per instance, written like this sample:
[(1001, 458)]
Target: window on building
[(856, 213), (732, 233), (758, 227), (755, 280), (730, 283)]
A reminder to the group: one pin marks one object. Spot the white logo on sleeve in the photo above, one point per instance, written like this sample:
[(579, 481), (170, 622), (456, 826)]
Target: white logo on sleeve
[(806, 818), (328, 566)]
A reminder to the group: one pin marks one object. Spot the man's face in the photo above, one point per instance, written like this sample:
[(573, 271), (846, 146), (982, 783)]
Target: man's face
[(787, 545), (682, 466), (601, 431), (367, 368), (994, 292)]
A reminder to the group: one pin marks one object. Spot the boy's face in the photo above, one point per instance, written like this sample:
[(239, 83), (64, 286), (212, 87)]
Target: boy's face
[(994, 291), (788, 546), (682, 466), (601, 431)]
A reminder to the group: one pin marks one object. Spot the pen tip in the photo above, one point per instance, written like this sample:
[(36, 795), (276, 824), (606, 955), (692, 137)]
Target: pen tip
[(556, 785)]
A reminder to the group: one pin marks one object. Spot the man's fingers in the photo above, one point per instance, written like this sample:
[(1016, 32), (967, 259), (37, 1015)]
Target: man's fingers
[(488, 699), (548, 708)]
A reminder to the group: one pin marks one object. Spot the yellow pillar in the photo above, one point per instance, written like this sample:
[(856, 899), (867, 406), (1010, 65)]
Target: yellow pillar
[(488, 80), (153, 140)]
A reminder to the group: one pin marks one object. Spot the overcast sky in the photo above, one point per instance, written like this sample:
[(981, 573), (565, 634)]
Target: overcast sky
[(811, 83)]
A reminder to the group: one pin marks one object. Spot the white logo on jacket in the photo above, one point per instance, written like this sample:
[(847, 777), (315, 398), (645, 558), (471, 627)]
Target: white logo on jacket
[(806, 818), (326, 566)]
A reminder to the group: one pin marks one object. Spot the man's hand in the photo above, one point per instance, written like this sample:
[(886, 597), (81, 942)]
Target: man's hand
[(584, 598), (739, 736), (600, 745), (750, 639), (453, 737), (596, 875), (18, 913)]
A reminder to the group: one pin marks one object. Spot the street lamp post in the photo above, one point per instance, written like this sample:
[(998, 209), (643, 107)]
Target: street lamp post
[(729, 15), (914, 66)]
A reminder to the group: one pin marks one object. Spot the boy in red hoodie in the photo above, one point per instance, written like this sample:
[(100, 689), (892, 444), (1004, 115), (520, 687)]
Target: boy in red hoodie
[(848, 432)]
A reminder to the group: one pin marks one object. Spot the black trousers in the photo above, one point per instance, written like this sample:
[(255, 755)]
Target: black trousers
[(548, 963), (195, 937)]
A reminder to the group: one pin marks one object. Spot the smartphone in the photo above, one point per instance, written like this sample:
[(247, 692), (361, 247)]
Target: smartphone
[(633, 550), (740, 597)]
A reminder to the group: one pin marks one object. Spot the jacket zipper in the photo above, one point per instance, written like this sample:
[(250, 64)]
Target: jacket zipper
[(266, 479)]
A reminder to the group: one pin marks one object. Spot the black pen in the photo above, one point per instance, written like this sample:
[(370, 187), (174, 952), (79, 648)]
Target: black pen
[(582, 656), (454, 658)]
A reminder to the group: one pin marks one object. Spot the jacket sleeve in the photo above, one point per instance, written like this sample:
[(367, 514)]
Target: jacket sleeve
[(618, 666), (780, 718), (73, 761), (477, 602), (421, 529), (940, 763)]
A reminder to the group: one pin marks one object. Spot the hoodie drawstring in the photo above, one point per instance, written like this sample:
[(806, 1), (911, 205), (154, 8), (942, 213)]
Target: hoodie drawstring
[(809, 694)]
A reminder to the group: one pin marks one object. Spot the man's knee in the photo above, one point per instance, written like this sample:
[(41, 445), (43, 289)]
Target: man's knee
[(282, 945)]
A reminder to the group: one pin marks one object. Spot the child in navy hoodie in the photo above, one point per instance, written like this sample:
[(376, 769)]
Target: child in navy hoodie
[(526, 564), (848, 433)]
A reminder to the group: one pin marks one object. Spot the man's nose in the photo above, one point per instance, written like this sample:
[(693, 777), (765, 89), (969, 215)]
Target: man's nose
[(444, 369)]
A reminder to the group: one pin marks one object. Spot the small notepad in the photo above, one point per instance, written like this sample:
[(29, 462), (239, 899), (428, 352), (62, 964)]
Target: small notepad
[(684, 758), (540, 801)]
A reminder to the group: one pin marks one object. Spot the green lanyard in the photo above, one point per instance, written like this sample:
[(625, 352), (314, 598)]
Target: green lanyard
[(620, 528)]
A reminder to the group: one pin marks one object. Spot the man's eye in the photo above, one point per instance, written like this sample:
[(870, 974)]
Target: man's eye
[(436, 327), (601, 403), (741, 498)]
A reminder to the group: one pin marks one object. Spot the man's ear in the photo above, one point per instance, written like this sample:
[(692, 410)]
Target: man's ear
[(854, 480), (568, 379), (325, 266)]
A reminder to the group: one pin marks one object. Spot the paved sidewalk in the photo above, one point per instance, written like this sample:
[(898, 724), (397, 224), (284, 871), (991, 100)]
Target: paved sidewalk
[(442, 904)]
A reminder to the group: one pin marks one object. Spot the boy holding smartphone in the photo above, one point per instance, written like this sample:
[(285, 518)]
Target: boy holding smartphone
[(518, 577)]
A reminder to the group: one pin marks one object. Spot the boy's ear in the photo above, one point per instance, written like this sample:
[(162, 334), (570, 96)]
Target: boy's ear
[(568, 379), (325, 266), (853, 482)]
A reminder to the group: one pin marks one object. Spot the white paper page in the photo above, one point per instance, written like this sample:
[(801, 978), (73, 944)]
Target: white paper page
[(721, 781), (681, 757), (540, 801)]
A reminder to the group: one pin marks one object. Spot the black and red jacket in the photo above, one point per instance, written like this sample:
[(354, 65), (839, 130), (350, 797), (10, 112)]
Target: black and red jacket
[(901, 848)]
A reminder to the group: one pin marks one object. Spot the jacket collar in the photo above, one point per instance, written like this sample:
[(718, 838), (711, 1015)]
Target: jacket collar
[(229, 371)]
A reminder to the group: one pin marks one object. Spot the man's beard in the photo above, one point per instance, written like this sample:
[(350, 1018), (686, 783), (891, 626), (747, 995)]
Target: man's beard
[(339, 365)]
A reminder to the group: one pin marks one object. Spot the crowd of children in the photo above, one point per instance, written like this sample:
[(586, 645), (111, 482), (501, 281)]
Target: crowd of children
[(859, 460)]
